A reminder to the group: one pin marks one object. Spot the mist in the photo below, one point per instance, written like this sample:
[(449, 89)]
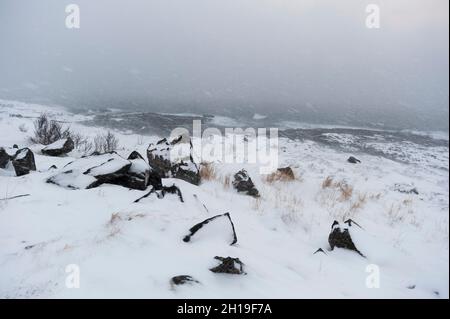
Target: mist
[(314, 60)]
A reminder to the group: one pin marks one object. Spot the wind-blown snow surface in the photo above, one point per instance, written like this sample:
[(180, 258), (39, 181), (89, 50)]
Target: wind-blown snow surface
[(126, 249)]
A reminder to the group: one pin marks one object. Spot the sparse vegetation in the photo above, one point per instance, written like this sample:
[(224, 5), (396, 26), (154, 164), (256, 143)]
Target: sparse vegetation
[(48, 131), (207, 172), (104, 143)]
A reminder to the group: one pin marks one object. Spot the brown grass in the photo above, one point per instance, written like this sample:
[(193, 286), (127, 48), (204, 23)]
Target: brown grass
[(207, 172), (327, 182), (279, 176)]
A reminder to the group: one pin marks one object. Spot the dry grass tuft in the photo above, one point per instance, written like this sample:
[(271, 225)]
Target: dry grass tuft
[(207, 172), (281, 175), (327, 182)]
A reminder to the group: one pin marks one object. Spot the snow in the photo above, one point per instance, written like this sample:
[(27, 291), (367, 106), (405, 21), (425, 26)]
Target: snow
[(56, 145), (127, 249)]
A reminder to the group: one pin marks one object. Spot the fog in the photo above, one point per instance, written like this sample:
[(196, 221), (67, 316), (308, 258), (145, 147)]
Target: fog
[(314, 59)]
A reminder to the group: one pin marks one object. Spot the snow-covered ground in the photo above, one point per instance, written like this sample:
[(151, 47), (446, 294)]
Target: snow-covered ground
[(127, 249)]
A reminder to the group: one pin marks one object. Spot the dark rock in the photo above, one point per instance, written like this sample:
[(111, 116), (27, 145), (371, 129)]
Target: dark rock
[(183, 279), (23, 162), (60, 147), (4, 158), (243, 183), (15, 146), (353, 160), (159, 158), (406, 189), (138, 174), (199, 226), (340, 237), (161, 193), (229, 265), (52, 167)]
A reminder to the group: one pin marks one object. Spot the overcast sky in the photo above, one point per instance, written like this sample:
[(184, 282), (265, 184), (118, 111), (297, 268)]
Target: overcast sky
[(212, 54)]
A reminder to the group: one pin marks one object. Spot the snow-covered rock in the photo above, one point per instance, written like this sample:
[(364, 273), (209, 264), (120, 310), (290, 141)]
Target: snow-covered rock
[(60, 147), (244, 184), (174, 159)]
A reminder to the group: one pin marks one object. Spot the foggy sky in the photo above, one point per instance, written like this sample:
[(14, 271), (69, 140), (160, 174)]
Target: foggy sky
[(216, 55)]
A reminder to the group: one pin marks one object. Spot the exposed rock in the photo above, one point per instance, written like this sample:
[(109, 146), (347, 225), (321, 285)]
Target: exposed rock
[(243, 183), (23, 162), (353, 160), (161, 157), (340, 237), (4, 158), (320, 250), (199, 226), (161, 193), (406, 189), (229, 265), (283, 174), (60, 147), (138, 174), (182, 280), (15, 146), (52, 167)]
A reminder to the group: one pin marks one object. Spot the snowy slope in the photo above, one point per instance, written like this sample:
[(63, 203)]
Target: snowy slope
[(126, 249)]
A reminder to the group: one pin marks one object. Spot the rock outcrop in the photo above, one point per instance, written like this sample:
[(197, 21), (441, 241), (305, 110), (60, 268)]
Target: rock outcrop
[(229, 265), (22, 160), (244, 184), (174, 159), (59, 148), (94, 170), (340, 237), (194, 229)]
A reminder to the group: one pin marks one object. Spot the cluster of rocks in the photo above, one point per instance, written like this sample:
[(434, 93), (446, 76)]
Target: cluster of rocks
[(95, 170), (20, 160), (174, 159)]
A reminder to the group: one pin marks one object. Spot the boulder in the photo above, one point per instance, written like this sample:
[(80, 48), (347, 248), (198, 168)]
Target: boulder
[(231, 232), (182, 280), (4, 158), (137, 176), (95, 170), (353, 160), (58, 148), (23, 162), (340, 237), (174, 159), (243, 183), (229, 265)]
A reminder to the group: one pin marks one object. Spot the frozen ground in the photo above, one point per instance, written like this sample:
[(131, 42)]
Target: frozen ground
[(126, 249)]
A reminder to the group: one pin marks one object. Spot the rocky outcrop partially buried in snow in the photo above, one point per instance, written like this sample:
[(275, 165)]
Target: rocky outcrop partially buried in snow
[(340, 236), (229, 265), (92, 171), (244, 184), (218, 224), (21, 161), (161, 158), (58, 148)]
